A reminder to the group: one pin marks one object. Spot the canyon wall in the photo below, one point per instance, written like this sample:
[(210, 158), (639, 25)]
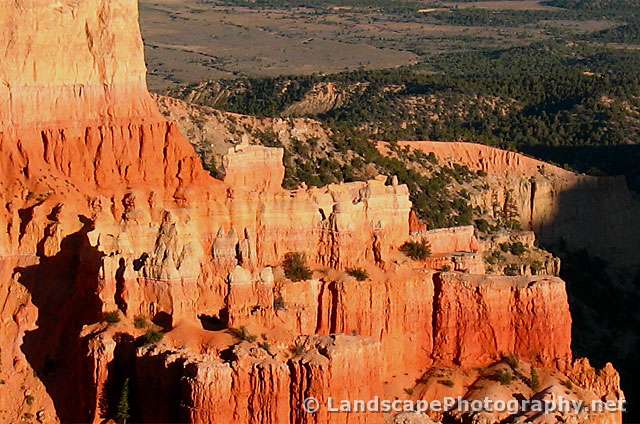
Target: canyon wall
[(107, 207), (554, 203), (125, 264), (412, 322)]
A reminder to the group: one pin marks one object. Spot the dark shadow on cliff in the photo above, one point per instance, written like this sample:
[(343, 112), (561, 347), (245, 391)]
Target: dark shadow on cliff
[(594, 160), (120, 369), (119, 295), (212, 322), (160, 392), (601, 218), (605, 317), (64, 289)]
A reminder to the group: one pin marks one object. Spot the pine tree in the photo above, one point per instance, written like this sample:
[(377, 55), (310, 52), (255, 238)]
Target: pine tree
[(510, 211), (535, 381), (123, 404)]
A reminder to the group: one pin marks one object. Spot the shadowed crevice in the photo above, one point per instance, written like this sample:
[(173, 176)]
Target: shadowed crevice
[(64, 288)]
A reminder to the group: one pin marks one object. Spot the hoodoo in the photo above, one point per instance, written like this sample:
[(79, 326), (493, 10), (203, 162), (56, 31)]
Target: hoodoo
[(68, 64), (124, 264)]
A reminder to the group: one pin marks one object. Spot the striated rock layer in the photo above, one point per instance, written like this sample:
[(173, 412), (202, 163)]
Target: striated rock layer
[(113, 237)]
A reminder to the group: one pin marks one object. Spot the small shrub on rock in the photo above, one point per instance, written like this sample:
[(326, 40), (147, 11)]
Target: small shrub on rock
[(504, 377), (482, 225), (279, 303), (536, 267), (139, 321), (416, 250), (568, 384), (243, 334), (358, 273), (511, 270), (517, 249), (152, 337), (448, 383), (535, 380), (295, 267), (495, 258), (111, 317)]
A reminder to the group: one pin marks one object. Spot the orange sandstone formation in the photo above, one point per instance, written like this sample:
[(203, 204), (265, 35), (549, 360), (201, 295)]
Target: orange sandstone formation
[(475, 310), (113, 233)]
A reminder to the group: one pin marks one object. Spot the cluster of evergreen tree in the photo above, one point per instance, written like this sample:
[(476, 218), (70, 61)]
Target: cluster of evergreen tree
[(500, 18), (562, 96), (550, 94), (409, 10), (597, 5), (625, 11), (394, 7)]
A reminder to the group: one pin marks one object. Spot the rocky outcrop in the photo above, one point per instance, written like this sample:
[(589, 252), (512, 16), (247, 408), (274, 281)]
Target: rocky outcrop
[(604, 383), (415, 317), (479, 157), (507, 384), (257, 384), (323, 98), (23, 394), (262, 383), (254, 168), (499, 254), (447, 240), (108, 204), (213, 132), (475, 310)]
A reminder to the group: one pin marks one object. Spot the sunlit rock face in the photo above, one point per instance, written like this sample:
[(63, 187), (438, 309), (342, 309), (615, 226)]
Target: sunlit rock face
[(111, 233), (70, 61)]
